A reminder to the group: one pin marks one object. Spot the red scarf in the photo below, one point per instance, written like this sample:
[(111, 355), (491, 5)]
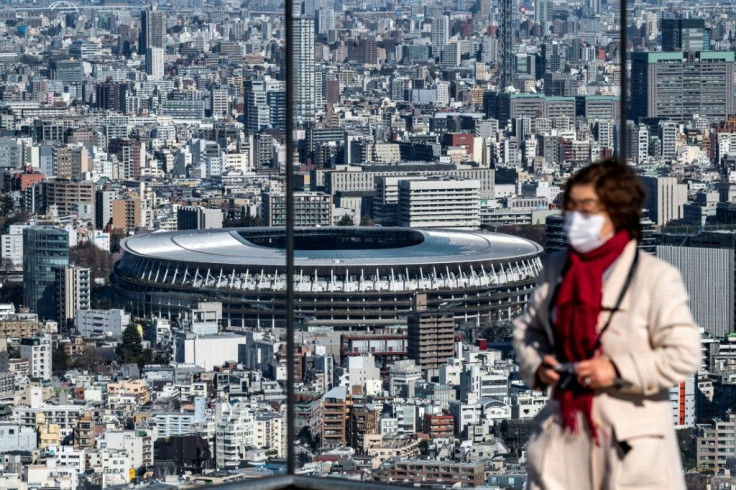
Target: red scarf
[(576, 333)]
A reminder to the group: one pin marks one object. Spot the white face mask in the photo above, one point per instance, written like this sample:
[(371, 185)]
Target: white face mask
[(584, 231)]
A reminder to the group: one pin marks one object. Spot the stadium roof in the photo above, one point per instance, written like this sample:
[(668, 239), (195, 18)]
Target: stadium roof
[(347, 246)]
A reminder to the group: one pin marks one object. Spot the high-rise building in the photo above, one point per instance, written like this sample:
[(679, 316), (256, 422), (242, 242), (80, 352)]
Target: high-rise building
[(543, 13), (325, 20), (680, 85), (127, 213), (155, 63), (708, 274), (44, 248), (103, 208), (430, 335), (557, 238), (153, 30), (72, 292), (336, 405), (507, 69), (665, 198), (668, 140), (436, 203), (683, 35), (37, 350), (440, 34), (302, 51), (219, 102)]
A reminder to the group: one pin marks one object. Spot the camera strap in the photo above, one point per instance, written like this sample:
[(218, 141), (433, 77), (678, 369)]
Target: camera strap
[(617, 305)]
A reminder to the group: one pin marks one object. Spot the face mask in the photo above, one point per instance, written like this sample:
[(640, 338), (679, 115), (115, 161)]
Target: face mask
[(584, 231)]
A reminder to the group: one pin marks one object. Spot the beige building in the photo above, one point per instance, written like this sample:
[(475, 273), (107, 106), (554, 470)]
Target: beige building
[(127, 214), (67, 196)]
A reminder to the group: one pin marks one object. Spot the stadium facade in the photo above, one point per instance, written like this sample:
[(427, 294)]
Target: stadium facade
[(348, 277)]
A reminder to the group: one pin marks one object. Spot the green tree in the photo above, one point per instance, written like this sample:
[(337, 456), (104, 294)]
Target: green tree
[(130, 348), (346, 220)]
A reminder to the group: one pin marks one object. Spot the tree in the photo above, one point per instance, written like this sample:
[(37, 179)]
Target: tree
[(130, 348), (366, 221), (60, 361), (346, 220), (98, 261)]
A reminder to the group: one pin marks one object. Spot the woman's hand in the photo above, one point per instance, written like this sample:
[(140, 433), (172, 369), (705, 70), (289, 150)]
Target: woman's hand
[(596, 373), (546, 372)]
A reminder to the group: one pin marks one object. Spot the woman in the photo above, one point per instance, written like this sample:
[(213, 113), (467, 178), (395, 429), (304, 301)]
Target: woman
[(609, 330)]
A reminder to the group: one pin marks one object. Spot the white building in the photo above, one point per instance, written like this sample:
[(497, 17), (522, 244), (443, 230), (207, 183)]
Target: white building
[(208, 351), (106, 323), (138, 445), (683, 399), (234, 433), (101, 240), (439, 203), (357, 371), (155, 63), (37, 350), (270, 433), (665, 198), (15, 437), (12, 246)]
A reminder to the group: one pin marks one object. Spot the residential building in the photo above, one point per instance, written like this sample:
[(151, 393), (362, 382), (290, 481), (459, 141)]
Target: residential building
[(72, 292)]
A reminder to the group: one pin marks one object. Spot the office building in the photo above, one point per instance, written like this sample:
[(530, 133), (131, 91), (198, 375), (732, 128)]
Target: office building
[(436, 203), (44, 249), (557, 238), (155, 63), (543, 14), (665, 198), (103, 208), (219, 102), (304, 83), (680, 85), (430, 335), (37, 351), (440, 34), (102, 323), (198, 218), (508, 16), (310, 209), (72, 292), (708, 274), (683, 35), (152, 33)]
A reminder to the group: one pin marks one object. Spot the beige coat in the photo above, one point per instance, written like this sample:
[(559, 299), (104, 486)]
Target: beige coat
[(654, 344)]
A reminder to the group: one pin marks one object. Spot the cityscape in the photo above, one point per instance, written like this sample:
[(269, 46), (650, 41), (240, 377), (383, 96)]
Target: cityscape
[(237, 244)]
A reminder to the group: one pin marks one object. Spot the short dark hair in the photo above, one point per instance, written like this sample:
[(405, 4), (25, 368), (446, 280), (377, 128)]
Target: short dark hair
[(618, 188)]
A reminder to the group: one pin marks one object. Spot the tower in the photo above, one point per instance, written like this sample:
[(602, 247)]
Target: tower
[(507, 43), (440, 34), (153, 30), (303, 52)]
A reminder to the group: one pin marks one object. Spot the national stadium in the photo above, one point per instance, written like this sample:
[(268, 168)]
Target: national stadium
[(344, 277)]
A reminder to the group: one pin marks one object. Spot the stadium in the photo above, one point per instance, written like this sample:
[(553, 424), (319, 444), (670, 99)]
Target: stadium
[(349, 277)]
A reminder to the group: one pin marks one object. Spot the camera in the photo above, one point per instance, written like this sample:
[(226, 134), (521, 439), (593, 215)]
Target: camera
[(568, 378)]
